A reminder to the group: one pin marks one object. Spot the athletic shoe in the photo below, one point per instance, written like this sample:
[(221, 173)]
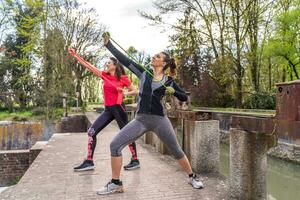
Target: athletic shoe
[(85, 166), (111, 188), (134, 164), (195, 182)]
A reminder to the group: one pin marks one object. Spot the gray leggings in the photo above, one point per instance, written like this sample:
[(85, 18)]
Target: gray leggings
[(143, 123)]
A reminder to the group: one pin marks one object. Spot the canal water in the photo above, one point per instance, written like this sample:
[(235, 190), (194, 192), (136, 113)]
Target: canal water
[(283, 178)]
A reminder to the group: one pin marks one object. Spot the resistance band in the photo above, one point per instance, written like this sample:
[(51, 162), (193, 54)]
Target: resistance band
[(147, 70)]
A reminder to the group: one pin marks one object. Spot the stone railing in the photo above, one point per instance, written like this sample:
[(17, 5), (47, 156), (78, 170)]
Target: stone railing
[(20, 143), (14, 163), (199, 137)]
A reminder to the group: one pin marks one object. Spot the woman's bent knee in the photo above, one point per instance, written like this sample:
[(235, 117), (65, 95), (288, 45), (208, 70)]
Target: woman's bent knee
[(91, 132), (115, 149), (178, 154)]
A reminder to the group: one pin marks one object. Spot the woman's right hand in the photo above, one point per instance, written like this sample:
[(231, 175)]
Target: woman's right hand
[(106, 37)]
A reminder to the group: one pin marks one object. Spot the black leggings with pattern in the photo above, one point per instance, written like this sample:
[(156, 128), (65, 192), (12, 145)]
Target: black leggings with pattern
[(110, 113)]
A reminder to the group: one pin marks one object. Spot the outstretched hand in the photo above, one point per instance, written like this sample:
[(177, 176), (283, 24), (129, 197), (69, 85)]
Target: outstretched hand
[(106, 37), (71, 51)]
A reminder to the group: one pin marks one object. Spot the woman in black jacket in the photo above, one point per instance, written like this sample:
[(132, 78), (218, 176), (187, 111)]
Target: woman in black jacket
[(151, 115)]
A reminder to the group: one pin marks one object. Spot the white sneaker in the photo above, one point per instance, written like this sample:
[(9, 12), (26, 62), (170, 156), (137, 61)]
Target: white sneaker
[(195, 182), (110, 188)]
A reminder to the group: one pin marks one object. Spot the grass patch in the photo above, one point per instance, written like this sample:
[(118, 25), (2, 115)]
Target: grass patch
[(91, 106), (32, 114), (246, 111), (15, 180), (17, 116)]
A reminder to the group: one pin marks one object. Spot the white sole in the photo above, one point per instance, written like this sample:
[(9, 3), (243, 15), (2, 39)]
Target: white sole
[(119, 190), (201, 187), (132, 168), (85, 169)]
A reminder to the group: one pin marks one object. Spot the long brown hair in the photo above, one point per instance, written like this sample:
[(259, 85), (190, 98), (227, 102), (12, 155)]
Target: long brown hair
[(119, 68), (170, 63)]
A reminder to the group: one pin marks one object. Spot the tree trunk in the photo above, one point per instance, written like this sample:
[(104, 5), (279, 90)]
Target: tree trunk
[(295, 71), (22, 100), (270, 73), (78, 89), (238, 54), (253, 15), (283, 74), (239, 85)]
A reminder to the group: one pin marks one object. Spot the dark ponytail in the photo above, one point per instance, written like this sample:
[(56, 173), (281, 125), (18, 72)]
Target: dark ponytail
[(170, 63), (119, 68)]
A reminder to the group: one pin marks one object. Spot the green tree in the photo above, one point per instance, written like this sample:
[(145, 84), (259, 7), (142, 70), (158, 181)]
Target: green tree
[(20, 47), (285, 43), (81, 31), (6, 68), (186, 46), (232, 32)]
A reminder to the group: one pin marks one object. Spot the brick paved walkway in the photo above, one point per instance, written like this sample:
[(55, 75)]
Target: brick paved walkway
[(51, 175)]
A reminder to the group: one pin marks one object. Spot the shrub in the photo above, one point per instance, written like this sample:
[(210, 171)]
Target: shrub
[(260, 100), (38, 111)]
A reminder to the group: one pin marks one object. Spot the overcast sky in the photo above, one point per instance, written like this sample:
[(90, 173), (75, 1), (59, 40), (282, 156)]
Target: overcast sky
[(127, 27)]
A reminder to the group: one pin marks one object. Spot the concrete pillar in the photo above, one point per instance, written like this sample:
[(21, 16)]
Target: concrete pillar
[(65, 106), (177, 124), (248, 165), (151, 138), (148, 137), (159, 145), (155, 142), (204, 145), (131, 115)]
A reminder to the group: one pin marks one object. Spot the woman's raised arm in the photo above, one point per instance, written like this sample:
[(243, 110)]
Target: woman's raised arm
[(130, 64), (85, 63)]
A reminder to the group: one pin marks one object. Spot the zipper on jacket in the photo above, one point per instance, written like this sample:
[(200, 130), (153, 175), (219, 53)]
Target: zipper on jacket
[(166, 83), (151, 99)]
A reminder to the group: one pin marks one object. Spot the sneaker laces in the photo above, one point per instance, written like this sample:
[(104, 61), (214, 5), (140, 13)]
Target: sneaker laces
[(107, 184), (133, 161), (195, 177), (84, 161)]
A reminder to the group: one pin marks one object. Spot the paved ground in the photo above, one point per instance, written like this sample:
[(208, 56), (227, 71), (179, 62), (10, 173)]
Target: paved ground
[(51, 175)]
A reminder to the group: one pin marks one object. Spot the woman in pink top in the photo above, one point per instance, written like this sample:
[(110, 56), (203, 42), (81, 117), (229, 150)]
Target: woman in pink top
[(115, 81)]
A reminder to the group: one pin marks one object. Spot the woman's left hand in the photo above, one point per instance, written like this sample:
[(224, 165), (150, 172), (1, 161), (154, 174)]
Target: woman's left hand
[(170, 90), (120, 89)]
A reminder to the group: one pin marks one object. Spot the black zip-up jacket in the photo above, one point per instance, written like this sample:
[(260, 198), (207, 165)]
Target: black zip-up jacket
[(149, 101)]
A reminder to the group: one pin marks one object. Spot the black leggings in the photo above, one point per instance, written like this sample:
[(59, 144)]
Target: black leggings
[(110, 113)]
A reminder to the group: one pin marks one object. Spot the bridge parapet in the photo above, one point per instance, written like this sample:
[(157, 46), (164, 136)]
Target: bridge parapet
[(251, 137)]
